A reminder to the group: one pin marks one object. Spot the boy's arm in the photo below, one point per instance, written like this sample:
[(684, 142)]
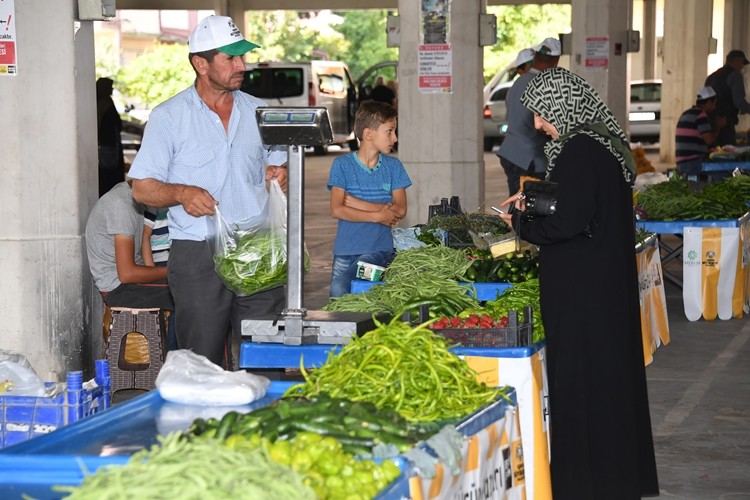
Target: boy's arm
[(148, 257), (367, 206), (127, 269), (399, 202), (340, 210)]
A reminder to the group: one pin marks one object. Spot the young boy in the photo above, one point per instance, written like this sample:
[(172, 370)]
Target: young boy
[(114, 233), (368, 196)]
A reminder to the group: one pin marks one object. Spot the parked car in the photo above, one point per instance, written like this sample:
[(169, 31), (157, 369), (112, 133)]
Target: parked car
[(644, 116), (325, 84), (365, 83), (493, 113)]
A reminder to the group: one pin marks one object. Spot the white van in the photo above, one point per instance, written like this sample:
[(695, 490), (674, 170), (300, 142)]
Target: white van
[(316, 83)]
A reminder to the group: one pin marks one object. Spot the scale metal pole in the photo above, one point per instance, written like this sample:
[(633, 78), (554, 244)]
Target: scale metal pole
[(294, 312)]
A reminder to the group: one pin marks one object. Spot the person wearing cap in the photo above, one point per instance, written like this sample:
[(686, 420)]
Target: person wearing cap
[(202, 149), (729, 85), (695, 134), (524, 61), (522, 151)]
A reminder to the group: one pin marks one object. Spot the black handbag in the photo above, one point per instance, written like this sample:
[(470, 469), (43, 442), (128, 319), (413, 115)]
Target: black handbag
[(541, 198), (541, 201)]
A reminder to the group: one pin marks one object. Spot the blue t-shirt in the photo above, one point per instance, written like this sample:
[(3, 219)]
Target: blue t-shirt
[(375, 185)]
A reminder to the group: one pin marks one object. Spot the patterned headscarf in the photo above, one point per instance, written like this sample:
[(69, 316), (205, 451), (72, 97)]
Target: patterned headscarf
[(569, 103)]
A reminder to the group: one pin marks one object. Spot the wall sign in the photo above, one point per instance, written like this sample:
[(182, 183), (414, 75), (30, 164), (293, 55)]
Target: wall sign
[(8, 66)]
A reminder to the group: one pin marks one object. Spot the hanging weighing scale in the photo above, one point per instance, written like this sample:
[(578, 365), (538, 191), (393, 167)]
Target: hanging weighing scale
[(297, 127)]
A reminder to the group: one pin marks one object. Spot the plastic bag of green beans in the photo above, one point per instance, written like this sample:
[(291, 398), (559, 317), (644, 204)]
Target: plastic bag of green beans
[(251, 257)]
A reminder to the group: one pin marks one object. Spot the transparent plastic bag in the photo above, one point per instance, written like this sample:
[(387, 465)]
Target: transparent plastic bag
[(251, 257), (19, 380), (189, 378)]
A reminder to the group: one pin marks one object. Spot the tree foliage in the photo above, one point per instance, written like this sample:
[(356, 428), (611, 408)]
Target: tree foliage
[(364, 40), (522, 26), (160, 72)]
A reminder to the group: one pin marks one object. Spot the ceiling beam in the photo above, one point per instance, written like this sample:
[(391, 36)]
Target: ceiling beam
[(291, 4)]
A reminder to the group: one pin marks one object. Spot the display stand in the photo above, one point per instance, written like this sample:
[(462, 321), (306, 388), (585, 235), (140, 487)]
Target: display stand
[(724, 166), (711, 293), (484, 291), (109, 438), (654, 318), (522, 368)]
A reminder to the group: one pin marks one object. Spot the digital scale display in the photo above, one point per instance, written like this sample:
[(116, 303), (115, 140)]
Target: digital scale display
[(293, 118), (294, 126)]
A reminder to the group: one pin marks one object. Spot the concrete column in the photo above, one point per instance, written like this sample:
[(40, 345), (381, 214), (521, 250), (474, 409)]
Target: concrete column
[(648, 39), (49, 163), (440, 134), (232, 8), (687, 30), (608, 21)]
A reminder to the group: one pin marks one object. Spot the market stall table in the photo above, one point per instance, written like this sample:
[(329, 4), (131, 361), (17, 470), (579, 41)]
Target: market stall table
[(677, 227), (714, 271), (724, 166), (63, 457), (522, 368)]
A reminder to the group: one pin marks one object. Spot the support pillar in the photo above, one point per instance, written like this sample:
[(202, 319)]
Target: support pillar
[(687, 31), (440, 134), (49, 163), (600, 29), (648, 39)]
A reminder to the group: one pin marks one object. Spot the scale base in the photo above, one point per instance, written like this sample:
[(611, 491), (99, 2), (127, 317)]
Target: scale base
[(318, 327)]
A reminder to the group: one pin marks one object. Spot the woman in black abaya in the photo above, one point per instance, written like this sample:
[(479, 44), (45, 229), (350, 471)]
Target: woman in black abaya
[(600, 428)]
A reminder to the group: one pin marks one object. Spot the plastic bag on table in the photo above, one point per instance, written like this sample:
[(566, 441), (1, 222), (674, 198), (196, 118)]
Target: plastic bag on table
[(19, 380), (192, 379), (250, 257)]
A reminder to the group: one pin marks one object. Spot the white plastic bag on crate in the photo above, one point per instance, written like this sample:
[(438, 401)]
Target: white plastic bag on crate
[(190, 378), (18, 380)]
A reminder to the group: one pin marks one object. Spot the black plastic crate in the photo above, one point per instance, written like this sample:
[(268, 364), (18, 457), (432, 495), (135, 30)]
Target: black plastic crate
[(517, 334)]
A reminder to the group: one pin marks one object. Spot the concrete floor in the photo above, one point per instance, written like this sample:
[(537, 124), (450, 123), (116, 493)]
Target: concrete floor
[(699, 384)]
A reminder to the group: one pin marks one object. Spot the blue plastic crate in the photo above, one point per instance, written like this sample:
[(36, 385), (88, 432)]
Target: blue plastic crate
[(24, 417)]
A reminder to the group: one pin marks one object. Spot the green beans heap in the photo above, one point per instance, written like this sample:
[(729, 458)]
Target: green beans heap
[(516, 298), (675, 200), (402, 368), (442, 262), (200, 469), (413, 274)]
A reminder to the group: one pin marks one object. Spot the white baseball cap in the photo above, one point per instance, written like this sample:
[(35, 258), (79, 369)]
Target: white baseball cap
[(705, 93), (525, 56), (220, 33), (550, 47)]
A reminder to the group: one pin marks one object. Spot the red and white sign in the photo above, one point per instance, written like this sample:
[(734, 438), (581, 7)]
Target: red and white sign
[(435, 68), (597, 53), (8, 38)]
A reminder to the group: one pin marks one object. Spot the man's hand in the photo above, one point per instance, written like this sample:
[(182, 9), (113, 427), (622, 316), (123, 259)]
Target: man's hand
[(278, 173), (197, 201)]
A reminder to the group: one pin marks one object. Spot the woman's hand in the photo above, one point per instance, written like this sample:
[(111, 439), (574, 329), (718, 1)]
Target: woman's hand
[(518, 201)]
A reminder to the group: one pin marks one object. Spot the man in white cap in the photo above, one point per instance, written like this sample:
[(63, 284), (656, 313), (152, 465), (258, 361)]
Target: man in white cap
[(524, 61), (695, 133), (522, 151), (202, 148)]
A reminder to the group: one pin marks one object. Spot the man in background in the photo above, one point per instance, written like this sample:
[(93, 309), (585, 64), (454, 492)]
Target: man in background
[(695, 133), (730, 91), (522, 150)]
